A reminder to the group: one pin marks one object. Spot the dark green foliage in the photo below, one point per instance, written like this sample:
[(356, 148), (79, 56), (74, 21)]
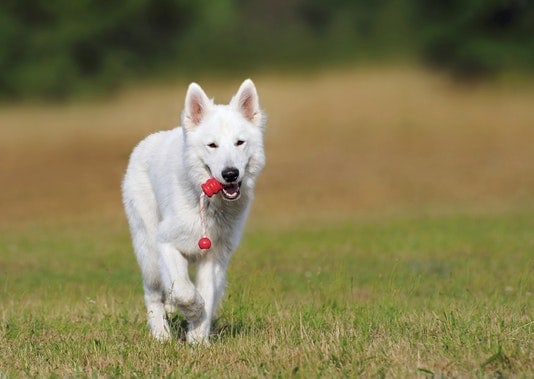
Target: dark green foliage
[(477, 38), (50, 48), (55, 48)]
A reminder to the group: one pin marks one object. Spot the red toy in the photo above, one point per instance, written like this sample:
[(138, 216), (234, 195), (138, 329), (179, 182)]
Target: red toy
[(211, 187)]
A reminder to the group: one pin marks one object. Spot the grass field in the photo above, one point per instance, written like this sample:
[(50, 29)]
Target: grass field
[(392, 234)]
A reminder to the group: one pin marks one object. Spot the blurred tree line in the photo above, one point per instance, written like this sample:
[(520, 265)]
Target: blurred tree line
[(54, 48)]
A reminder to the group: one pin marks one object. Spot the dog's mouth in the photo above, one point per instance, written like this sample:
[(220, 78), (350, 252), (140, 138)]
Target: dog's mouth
[(231, 191)]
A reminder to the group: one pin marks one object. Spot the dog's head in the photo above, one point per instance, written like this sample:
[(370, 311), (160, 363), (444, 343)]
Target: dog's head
[(224, 141)]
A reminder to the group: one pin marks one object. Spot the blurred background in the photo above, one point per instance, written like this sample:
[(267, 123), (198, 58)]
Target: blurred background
[(59, 48), (374, 106)]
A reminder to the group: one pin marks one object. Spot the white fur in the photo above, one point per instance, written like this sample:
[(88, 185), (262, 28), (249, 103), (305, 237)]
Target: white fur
[(161, 192)]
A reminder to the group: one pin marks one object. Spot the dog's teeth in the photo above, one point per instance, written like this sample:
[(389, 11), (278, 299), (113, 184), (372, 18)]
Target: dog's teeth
[(231, 191)]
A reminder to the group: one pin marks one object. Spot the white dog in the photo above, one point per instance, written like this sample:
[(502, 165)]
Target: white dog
[(168, 212)]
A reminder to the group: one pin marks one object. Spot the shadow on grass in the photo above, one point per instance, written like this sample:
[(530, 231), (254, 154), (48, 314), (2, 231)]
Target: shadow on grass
[(223, 329), (220, 330), (178, 325)]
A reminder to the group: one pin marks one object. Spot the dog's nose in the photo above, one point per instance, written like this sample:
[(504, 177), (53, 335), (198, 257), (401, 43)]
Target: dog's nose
[(230, 174)]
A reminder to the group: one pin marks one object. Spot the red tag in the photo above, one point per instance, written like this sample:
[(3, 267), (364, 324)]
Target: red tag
[(204, 243)]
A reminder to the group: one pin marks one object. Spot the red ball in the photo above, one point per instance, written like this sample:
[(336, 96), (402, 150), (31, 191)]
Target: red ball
[(204, 243)]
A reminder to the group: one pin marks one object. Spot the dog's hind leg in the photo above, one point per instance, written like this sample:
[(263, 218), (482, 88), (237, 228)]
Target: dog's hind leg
[(143, 218), (157, 318)]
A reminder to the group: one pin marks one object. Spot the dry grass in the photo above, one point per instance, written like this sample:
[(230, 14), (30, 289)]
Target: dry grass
[(340, 142), (389, 298)]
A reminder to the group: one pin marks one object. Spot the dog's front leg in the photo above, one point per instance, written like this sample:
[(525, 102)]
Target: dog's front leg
[(180, 291), (211, 281)]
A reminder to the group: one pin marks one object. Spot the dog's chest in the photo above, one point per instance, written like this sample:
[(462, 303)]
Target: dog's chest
[(222, 226)]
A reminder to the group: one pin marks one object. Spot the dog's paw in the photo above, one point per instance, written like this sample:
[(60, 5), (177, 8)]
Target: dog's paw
[(198, 336), (162, 336), (194, 309), (170, 308), (160, 330)]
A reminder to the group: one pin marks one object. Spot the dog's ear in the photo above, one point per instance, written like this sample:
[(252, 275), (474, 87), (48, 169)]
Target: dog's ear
[(246, 101), (196, 106)]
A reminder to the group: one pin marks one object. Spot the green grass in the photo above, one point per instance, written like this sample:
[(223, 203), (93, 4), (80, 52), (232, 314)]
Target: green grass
[(406, 296)]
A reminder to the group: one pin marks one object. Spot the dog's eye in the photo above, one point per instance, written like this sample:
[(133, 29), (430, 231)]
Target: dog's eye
[(239, 142), (213, 145)]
